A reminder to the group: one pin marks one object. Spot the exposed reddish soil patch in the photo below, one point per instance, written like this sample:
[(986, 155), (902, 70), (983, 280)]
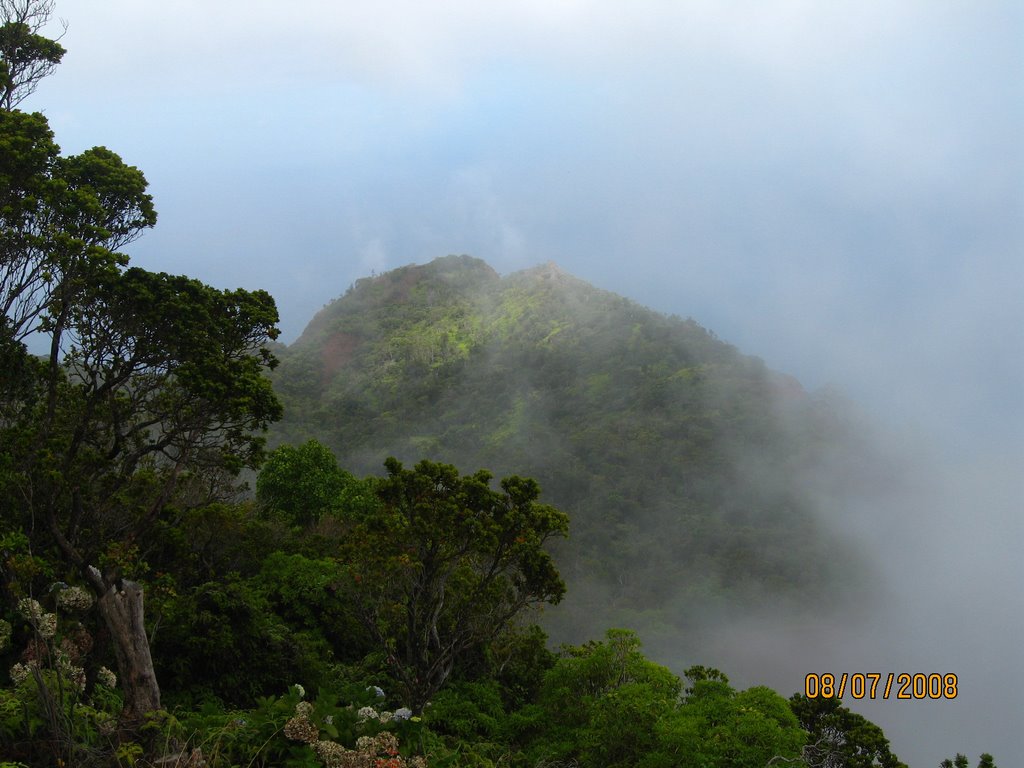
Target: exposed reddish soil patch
[(336, 352)]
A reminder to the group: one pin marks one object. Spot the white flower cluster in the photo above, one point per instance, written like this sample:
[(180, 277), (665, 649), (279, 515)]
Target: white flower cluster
[(73, 674), (20, 673), (366, 743), (300, 690), (70, 671), (45, 623), (30, 609), (106, 678), (5, 634), (376, 751), (300, 727), (74, 600), (332, 755), (76, 675), (368, 713)]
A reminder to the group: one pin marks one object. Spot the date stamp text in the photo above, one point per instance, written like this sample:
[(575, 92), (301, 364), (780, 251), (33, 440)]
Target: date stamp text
[(881, 685)]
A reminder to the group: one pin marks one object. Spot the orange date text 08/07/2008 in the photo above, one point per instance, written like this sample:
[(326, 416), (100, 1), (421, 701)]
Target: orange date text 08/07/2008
[(881, 685)]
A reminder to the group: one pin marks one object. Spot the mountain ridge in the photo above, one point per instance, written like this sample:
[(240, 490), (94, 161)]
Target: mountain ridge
[(675, 455)]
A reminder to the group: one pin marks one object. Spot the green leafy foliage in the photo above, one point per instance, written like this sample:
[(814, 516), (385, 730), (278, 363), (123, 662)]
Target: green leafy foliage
[(445, 564), (25, 57), (842, 735), (59, 707), (222, 636), (470, 711), (746, 728), (302, 483), (308, 595), (960, 761), (605, 704)]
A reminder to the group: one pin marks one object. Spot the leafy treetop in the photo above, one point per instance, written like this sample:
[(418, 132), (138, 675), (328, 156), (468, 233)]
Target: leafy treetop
[(445, 563)]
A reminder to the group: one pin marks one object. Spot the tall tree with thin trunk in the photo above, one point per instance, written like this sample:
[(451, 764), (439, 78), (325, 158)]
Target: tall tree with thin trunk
[(150, 381)]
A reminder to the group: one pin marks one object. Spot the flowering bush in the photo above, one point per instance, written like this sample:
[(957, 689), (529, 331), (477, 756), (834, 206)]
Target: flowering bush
[(106, 678), (30, 609), (74, 600), (368, 713), (324, 730), (47, 625), (19, 673), (71, 671), (44, 623), (380, 751), (372, 750), (43, 695), (299, 728)]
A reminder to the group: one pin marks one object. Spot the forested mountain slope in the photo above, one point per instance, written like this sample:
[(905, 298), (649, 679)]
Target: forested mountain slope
[(684, 465)]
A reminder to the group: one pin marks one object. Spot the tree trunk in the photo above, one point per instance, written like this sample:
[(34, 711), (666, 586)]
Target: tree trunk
[(121, 609), (120, 606)]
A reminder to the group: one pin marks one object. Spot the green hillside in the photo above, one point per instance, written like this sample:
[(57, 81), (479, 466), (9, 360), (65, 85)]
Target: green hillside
[(682, 464)]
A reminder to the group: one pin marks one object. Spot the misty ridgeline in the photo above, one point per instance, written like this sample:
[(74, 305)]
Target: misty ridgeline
[(694, 476)]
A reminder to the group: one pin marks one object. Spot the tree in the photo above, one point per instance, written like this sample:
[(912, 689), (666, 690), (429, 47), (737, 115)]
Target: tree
[(153, 384), (746, 729), (960, 761), (839, 737), (445, 563), (302, 483), (26, 57), (604, 704), (158, 394), (601, 703)]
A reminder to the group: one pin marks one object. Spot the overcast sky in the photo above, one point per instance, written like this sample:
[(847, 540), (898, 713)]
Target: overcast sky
[(836, 187)]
